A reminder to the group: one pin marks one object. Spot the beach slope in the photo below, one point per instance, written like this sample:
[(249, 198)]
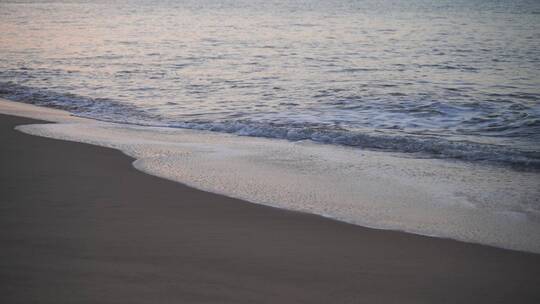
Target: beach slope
[(78, 224)]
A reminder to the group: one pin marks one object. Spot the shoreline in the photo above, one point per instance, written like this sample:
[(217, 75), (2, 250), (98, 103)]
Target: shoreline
[(94, 227), (436, 198)]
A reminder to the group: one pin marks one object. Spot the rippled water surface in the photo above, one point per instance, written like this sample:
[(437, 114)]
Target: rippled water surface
[(456, 79)]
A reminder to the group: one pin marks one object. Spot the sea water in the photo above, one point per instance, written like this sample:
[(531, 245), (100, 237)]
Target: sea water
[(492, 205), (422, 116), (446, 78)]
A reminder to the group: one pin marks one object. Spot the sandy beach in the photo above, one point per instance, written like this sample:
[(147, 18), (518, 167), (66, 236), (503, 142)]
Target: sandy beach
[(80, 225)]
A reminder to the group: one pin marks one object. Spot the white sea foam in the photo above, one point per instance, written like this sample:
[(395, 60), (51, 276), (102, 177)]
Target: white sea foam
[(469, 202)]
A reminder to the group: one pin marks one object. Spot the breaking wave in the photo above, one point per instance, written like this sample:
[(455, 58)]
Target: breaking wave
[(382, 140)]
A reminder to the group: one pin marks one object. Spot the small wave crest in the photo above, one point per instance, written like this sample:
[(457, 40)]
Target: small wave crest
[(421, 145), (96, 108)]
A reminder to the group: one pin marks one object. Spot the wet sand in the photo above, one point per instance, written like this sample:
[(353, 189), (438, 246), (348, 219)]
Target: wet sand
[(78, 224)]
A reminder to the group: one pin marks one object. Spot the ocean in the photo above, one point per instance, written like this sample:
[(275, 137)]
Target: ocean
[(444, 79), (420, 116)]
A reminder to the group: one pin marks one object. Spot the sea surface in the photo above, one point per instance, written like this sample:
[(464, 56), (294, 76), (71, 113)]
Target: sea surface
[(436, 79), (418, 116), (467, 201)]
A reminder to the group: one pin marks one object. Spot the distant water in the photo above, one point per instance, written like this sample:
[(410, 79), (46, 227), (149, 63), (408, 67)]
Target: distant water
[(456, 79)]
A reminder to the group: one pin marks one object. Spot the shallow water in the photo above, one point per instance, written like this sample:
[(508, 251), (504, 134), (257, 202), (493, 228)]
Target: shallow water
[(470, 202), (450, 79)]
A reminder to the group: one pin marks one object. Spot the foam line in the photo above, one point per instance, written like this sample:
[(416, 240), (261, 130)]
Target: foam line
[(470, 202)]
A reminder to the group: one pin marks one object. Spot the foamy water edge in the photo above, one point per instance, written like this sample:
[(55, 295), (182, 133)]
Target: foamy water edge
[(467, 202)]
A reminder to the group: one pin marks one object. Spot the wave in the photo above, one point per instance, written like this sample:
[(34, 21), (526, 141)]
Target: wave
[(421, 145)]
